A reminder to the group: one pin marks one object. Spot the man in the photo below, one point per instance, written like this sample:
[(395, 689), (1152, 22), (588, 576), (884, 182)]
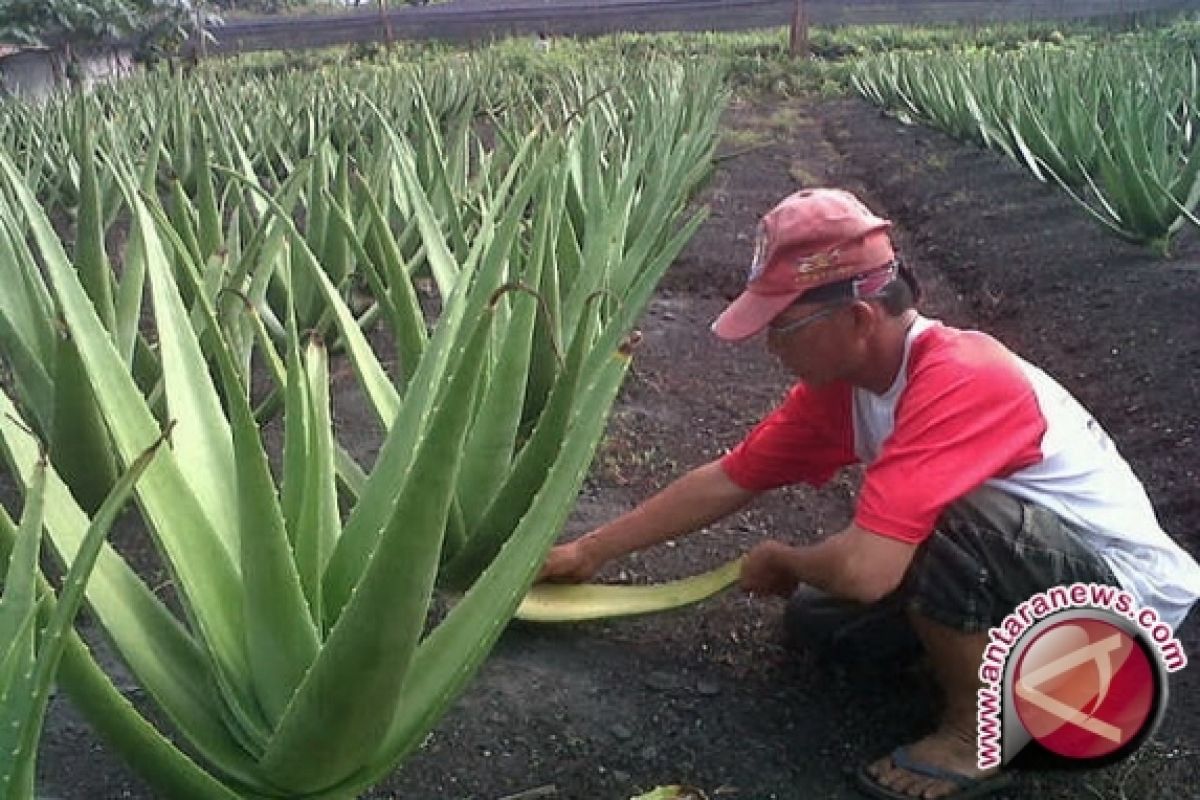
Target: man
[(985, 482)]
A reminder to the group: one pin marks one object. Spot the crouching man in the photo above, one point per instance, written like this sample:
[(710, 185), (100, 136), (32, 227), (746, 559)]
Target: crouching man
[(985, 481)]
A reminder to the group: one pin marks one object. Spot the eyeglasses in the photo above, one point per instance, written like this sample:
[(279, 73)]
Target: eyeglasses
[(795, 325)]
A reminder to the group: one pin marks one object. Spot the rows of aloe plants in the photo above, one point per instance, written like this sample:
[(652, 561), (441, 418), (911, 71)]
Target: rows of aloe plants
[(191, 262), (1116, 126)]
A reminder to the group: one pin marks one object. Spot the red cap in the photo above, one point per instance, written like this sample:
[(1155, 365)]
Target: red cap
[(812, 238)]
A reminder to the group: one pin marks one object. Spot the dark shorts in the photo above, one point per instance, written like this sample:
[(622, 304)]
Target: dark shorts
[(989, 552)]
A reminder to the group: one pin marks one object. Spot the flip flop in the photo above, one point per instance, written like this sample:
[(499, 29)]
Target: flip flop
[(966, 786)]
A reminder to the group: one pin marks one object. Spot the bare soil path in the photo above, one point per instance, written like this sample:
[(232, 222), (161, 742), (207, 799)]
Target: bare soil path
[(709, 696)]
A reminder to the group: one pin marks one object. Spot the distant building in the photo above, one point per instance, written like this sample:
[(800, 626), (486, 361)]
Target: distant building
[(35, 73)]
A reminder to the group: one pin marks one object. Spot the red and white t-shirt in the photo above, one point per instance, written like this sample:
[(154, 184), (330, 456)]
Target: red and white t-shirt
[(965, 411)]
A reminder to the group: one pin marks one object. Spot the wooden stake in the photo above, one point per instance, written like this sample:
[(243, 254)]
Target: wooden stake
[(202, 32), (798, 40), (386, 20)]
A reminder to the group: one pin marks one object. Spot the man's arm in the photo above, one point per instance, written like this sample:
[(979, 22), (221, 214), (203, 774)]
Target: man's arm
[(854, 564), (698, 498)]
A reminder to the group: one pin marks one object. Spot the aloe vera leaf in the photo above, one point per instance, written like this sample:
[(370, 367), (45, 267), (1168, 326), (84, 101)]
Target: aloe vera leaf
[(551, 602), (80, 447), (347, 698), (450, 655), (26, 714)]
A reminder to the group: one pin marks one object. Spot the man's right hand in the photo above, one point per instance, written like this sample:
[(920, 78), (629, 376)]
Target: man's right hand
[(700, 497), (572, 562)]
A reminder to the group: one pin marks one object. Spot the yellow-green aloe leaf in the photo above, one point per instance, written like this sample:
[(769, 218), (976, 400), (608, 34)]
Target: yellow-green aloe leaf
[(296, 431), (429, 134), (90, 257), (182, 214), (207, 210), (490, 447), (16, 679), (635, 300), (264, 249), (336, 253), (148, 177), (551, 602), (672, 792), (611, 252), (33, 384), (129, 301), (204, 440), (281, 636), (352, 476), (497, 238), (26, 303), (319, 524), (201, 438)]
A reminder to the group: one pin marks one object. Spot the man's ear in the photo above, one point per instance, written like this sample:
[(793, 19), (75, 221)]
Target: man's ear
[(866, 316)]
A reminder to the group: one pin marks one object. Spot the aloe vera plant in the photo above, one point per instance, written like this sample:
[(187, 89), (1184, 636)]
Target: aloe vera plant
[(1116, 128), (279, 676), (262, 685), (34, 630)]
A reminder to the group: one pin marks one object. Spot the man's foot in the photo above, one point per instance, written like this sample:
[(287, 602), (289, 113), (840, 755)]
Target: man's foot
[(942, 765)]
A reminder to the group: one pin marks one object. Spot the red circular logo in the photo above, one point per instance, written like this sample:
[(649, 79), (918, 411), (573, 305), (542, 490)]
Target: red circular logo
[(1084, 688)]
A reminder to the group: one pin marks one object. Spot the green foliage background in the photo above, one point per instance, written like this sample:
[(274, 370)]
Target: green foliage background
[(82, 22)]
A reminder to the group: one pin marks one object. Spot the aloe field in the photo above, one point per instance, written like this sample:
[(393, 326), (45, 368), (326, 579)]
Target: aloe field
[(306, 365)]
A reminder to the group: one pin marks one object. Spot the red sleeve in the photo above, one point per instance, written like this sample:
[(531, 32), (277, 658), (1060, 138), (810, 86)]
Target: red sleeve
[(805, 440), (965, 416)]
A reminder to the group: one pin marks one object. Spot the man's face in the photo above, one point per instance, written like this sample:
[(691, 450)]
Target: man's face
[(809, 339)]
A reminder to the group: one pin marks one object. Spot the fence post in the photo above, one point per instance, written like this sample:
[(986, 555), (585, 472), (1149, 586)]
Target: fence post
[(798, 40), (201, 29), (386, 20)]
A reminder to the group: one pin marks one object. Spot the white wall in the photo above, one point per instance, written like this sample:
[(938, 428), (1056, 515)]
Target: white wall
[(28, 74), (34, 74), (107, 65)]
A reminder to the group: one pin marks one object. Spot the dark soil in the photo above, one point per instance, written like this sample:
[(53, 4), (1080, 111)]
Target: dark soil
[(710, 696)]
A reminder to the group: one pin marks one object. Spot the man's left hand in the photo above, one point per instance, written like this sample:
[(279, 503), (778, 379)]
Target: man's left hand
[(768, 569)]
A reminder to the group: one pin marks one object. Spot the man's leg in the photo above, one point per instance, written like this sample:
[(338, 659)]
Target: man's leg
[(955, 657), (990, 552)]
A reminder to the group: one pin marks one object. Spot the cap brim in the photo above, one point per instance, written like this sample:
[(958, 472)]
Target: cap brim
[(749, 314)]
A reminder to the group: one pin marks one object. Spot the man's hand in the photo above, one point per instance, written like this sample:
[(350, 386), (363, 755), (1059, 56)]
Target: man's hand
[(768, 569), (854, 564), (699, 498), (572, 562)]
